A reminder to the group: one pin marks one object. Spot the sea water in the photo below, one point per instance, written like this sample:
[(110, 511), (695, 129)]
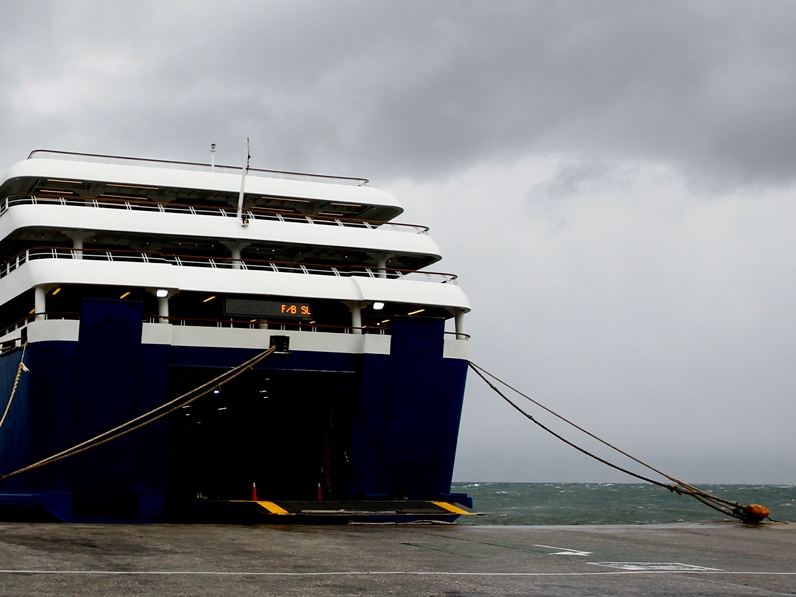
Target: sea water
[(611, 503)]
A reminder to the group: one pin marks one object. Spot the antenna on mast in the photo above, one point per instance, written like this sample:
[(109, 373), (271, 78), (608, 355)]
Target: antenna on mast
[(244, 221), (212, 157)]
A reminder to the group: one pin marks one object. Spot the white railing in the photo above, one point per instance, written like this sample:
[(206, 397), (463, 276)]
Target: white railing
[(191, 166), (229, 322), (181, 260), (206, 210), (271, 326)]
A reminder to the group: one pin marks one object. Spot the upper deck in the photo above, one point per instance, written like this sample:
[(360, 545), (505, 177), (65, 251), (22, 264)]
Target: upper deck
[(60, 173), (74, 226), (49, 197)]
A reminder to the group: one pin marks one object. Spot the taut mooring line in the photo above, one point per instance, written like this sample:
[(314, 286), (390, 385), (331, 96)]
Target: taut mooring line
[(753, 513), (143, 420)]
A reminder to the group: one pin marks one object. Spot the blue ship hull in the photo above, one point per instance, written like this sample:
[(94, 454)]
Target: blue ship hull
[(300, 426)]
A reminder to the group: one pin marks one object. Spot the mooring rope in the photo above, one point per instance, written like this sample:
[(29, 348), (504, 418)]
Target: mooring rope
[(141, 421), (720, 504), (20, 369)]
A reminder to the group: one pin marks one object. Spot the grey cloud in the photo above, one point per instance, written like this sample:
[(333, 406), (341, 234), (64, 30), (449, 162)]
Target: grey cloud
[(412, 87), (575, 177)]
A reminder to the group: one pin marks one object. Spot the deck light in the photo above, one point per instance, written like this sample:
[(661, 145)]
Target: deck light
[(385, 320), (216, 391), (208, 299), (56, 291), (285, 199), (161, 293), (125, 295), (416, 312), (378, 306), (56, 192), (131, 186)]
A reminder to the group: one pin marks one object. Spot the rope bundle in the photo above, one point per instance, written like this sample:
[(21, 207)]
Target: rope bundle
[(20, 369)]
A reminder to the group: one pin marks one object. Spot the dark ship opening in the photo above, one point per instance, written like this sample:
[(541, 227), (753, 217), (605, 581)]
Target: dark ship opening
[(284, 431)]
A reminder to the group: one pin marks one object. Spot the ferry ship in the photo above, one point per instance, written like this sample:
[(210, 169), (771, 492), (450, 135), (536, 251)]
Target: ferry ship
[(126, 282)]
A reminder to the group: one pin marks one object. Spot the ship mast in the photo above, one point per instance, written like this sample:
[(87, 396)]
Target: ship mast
[(246, 157)]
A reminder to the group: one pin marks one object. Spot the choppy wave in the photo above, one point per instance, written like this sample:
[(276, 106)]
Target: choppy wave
[(611, 503)]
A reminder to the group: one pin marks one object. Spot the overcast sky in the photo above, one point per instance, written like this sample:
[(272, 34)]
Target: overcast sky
[(614, 182)]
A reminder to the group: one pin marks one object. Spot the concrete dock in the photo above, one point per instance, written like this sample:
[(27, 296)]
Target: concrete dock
[(682, 559)]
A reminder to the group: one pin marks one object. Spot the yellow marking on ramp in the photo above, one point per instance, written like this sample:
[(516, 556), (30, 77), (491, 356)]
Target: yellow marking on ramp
[(452, 508), (273, 508)]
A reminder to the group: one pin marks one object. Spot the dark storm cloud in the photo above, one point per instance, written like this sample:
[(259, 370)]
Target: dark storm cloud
[(411, 88)]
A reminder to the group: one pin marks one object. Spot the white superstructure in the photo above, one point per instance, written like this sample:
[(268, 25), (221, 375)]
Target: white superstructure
[(167, 234)]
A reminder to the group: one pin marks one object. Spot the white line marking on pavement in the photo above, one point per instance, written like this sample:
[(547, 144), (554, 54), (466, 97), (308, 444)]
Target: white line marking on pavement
[(663, 566), (382, 573), (565, 551)]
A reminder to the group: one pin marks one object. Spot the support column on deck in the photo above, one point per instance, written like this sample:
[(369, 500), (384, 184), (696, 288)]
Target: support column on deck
[(356, 318), (383, 266), (381, 263), (461, 334), (78, 236), (235, 249), (163, 309), (40, 302), (163, 295)]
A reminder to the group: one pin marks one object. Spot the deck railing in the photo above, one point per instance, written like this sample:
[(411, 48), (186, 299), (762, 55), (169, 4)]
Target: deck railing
[(229, 322), (97, 158), (253, 213), (215, 262)]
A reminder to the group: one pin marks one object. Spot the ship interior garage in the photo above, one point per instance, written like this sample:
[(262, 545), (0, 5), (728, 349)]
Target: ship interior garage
[(281, 430)]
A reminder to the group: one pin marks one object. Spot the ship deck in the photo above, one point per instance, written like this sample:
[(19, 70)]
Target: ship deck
[(681, 559)]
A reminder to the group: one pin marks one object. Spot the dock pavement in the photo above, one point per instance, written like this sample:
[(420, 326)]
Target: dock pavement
[(429, 560)]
